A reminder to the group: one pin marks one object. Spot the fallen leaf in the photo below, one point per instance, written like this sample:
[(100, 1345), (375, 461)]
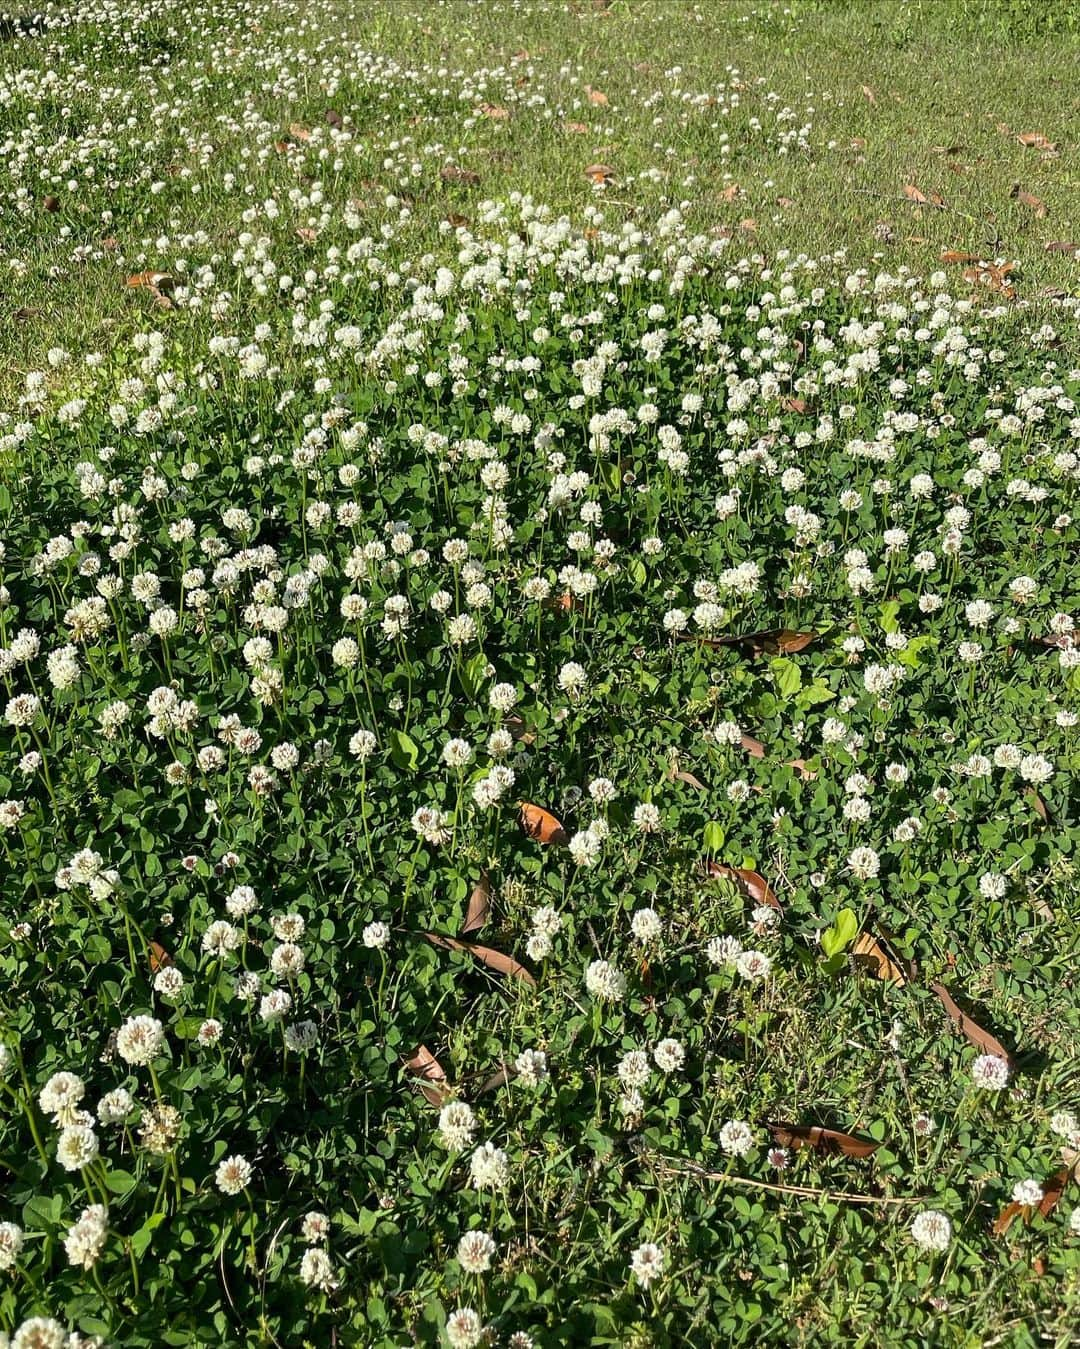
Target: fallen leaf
[(453, 173), (753, 747), (1061, 246), (868, 94), (541, 825), (299, 131), (751, 883), (830, 1142), (749, 225), (913, 194), (457, 221), (799, 766), (858, 143), (1053, 1189), (51, 204), (487, 955), (307, 235), (159, 281), (793, 404), (494, 112), (869, 954), (730, 193), (1018, 194), (1034, 140), (951, 255), (681, 775), (596, 98), (771, 642), (785, 202), (996, 278), (1038, 805), (515, 724), (159, 957), (479, 909), (982, 1039), (334, 119), (503, 1077), (432, 1079), (575, 128)]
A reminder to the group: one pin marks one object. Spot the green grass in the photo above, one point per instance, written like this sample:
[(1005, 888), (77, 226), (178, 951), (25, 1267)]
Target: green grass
[(193, 117)]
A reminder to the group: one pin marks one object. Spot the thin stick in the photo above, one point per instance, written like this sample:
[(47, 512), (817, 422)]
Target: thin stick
[(665, 1168)]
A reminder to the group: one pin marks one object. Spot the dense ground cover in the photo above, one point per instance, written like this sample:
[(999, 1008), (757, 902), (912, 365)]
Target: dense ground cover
[(523, 708)]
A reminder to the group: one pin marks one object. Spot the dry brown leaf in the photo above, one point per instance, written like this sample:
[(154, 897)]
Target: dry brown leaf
[(786, 202), (753, 747), (596, 98), (982, 1039), (457, 221), (51, 204), (159, 957), (869, 954), (432, 1080), (751, 883), (479, 909), (793, 404), (730, 193), (869, 94), (1053, 1189), (1028, 199), (487, 955), (681, 775), (575, 128), (334, 119), (749, 225), (159, 281), (541, 825), (299, 131), (913, 194), (799, 766), (515, 724), (858, 143), (951, 255), (1061, 246), (501, 1078), (1038, 805), (494, 113), (306, 234), (830, 1142), (993, 277), (1034, 140), (454, 173)]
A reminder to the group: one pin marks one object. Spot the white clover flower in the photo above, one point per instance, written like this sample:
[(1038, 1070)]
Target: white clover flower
[(317, 1270), (464, 1329), (233, 1174), (990, 1071), (669, 1056), (139, 1040), (457, 1125), (489, 1168), (475, 1252), (646, 925), (605, 982), (647, 1263), (736, 1138), (931, 1230)]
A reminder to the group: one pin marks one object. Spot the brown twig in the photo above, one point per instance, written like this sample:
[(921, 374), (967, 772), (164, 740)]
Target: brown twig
[(665, 1168)]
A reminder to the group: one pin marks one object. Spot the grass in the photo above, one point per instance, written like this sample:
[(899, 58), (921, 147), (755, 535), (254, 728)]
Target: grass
[(754, 161), (931, 95)]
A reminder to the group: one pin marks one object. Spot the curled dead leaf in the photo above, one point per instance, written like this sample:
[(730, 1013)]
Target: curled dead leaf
[(731, 193), (681, 775), (1061, 246), (596, 98), (159, 957), (498, 961), (1028, 199), (431, 1078), (982, 1039), (750, 883), (159, 281), (952, 255), (542, 826), (1034, 140), (454, 173), (479, 909), (1038, 805), (870, 954), (493, 112), (793, 404), (753, 747), (829, 1142), (299, 132)]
